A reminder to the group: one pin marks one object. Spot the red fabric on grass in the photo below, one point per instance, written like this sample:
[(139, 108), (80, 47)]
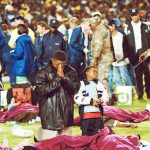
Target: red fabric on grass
[(122, 115), (104, 140), (21, 113)]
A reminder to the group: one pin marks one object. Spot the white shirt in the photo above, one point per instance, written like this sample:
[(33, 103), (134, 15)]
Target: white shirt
[(86, 41), (118, 49), (69, 34), (137, 35)]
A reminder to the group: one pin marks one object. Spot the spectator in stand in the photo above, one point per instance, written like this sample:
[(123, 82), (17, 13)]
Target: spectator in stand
[(23, 55), (52, 41), (138, 40), (14, 34)]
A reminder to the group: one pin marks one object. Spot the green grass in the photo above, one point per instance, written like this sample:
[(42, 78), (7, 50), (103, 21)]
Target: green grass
[(143, 127)]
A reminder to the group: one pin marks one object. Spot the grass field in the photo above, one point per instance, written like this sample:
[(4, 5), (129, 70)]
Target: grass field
[(143, 128)]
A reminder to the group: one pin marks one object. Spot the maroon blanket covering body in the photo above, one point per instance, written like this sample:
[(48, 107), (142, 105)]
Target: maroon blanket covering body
[(104, 140), (21, 113), (122, 115), (126, 115), (110, 111)]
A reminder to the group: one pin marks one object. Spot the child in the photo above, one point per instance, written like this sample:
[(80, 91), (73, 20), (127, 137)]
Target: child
[(90, 98)]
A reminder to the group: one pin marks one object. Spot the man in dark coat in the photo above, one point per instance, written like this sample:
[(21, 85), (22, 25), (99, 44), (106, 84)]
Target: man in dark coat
[(138, 38), (55, 86)]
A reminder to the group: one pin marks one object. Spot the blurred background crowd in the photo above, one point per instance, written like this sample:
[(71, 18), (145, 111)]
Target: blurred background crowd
[(37, 10)]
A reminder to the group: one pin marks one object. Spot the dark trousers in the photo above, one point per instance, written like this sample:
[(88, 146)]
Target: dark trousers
[(91, 126), (139, 72)]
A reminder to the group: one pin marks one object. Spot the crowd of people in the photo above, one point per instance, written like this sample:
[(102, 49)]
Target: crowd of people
[(75, 49)]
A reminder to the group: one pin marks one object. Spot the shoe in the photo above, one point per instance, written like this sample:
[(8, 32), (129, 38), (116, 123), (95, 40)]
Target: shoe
[(148, 107)]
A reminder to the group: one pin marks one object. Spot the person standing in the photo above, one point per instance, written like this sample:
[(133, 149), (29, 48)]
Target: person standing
[(138, 38), (90, 97), (120, 49), (78, 46), (102, 55), (42, 29), (23, 55), (14, 34), (56, 83), (6, 59), (73, 22), (52, 41)]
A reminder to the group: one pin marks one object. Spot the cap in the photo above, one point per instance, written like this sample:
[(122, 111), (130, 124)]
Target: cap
[(94, 14), (54, 23), (94, 20), (60, 55), (133, 11), (19, 17), (73, 19)]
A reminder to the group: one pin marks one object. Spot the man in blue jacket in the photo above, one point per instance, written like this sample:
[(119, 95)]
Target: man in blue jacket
[(79, 42), (52, 41)]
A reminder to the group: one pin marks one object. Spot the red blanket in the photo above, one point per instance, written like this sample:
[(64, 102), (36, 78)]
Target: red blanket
[(21, 113), (104, 140), (126, 115), (24, 113), (122, 115)]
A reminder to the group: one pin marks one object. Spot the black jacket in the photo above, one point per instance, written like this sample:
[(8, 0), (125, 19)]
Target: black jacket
[(55, 97), (145, 37)]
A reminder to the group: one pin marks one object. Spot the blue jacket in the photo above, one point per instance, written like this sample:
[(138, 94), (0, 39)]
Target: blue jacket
[(51, 43), (4, 47), (2, 43), (23, 56), (76, 46)]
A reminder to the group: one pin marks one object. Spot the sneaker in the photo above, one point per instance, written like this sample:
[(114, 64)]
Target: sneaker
[(148, 107)]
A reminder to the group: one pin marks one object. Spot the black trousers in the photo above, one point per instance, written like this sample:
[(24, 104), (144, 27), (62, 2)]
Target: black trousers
[(91, 126), (139, 72)]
